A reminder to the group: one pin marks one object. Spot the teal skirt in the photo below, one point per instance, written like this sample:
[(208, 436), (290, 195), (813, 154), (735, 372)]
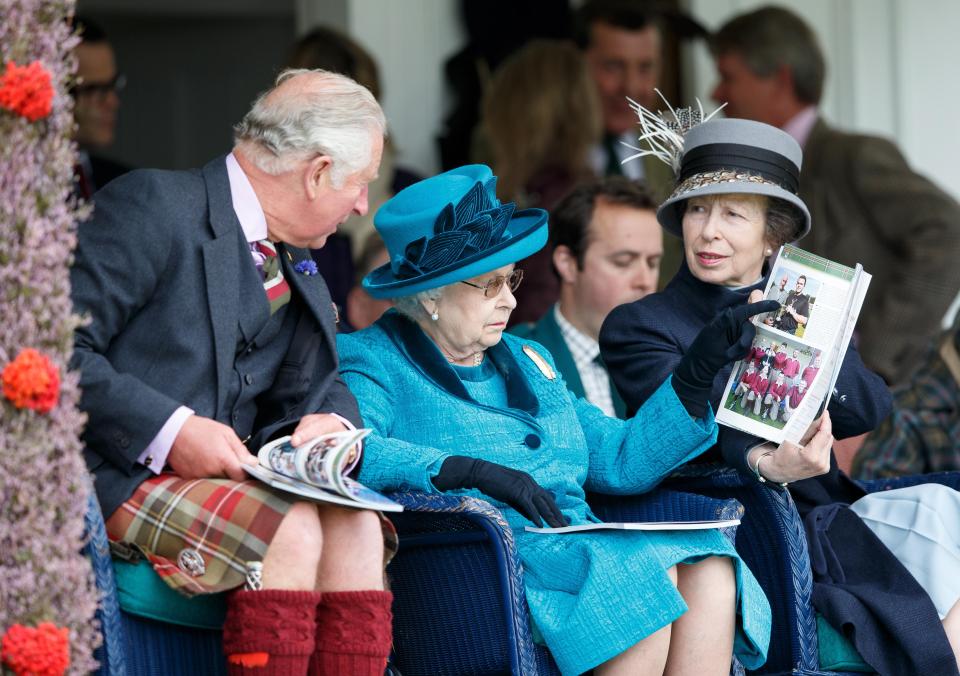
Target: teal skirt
[(593, 595)]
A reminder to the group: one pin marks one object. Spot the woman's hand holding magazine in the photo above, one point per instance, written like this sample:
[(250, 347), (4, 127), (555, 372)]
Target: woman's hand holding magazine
[(793, 462)]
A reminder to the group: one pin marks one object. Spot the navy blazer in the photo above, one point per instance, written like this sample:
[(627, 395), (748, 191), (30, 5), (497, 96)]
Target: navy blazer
[(157, 271)]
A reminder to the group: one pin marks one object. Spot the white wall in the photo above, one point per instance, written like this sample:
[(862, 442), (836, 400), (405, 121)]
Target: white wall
[(889, 71), (411, 40)]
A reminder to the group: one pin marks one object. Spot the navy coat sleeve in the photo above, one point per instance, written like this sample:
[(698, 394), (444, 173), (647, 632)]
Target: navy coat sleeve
[(640, 354)]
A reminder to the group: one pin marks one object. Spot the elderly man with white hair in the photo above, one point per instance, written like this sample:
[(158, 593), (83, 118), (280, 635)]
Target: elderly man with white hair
[(211, 333)]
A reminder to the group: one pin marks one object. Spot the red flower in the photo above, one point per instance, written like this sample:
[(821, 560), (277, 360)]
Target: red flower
[(26, 90), (44, 651), (31, 381)]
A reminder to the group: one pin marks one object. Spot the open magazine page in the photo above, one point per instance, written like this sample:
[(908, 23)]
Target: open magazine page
[(778, 390), (322, 461), (318, 470), (638, 525)]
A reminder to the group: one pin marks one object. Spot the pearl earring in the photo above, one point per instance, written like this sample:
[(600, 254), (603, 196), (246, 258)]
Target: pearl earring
[(435, 316), (769, 252)]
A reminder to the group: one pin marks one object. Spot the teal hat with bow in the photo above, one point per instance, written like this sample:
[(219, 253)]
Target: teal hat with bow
[(449, 228)]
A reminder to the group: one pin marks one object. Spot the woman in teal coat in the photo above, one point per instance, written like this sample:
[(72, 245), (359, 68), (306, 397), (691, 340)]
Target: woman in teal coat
[(457, 405)]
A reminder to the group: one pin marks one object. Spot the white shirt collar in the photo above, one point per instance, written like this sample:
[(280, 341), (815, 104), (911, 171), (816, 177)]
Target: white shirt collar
[(585, 347), (800, 125), (245, 202)]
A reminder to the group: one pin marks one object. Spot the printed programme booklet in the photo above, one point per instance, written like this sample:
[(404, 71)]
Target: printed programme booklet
[(787, 379), (318, 470), (638, 525)]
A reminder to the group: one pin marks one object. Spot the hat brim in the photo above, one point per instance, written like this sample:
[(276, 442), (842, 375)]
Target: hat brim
[(528, 234), (670, 214)]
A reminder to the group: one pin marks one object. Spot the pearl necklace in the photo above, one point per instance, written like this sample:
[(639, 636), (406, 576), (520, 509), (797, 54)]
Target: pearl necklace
[(477, 357)]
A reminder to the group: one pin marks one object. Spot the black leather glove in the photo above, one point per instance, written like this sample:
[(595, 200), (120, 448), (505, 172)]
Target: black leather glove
[(516, 488), (725, 339)]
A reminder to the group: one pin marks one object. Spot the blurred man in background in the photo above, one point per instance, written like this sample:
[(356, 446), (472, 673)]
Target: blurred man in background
[(96, 102), (624, 49)]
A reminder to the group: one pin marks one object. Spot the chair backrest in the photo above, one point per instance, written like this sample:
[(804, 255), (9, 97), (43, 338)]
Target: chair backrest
[(459, 604)]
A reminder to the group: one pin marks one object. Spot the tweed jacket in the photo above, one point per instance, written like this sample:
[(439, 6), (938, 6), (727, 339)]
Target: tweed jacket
[(157, 271), (591, 595), (922, 434), (547, 333), (868, 206)]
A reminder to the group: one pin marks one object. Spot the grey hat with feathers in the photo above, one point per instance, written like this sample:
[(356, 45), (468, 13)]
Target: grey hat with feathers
[(717, 157)]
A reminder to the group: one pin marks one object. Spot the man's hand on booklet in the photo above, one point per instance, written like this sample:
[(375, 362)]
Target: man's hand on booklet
[(207, 449), (315, 425), (791, 462), (725, 339)]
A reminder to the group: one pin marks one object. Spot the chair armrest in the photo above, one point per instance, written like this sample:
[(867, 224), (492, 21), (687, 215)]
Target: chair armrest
[(663, 505), (432, 520), (110, 654), (951, 479)]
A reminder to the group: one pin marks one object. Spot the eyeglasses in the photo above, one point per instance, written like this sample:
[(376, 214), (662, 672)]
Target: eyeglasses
[(492, 288), (101, 90)]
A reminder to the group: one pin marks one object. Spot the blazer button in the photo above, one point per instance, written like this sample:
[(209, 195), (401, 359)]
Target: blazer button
[(248, 379), (532, 440)]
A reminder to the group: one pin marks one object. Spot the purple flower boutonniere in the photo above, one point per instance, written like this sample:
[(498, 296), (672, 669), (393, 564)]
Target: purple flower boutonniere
[(308, 268)]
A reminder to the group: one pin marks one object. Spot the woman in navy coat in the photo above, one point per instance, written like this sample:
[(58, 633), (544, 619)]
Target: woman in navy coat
[(735, 203), (457, 405)]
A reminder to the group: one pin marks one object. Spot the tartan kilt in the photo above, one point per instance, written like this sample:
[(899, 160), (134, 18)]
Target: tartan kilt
[(199, 534)]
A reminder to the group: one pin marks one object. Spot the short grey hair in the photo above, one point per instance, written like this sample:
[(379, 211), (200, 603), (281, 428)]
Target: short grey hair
[(770, 37), (411, 306), (785, 222), (329, 114)]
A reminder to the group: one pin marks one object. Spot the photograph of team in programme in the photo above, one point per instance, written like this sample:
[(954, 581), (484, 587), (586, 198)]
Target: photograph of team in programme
[(773, 379)]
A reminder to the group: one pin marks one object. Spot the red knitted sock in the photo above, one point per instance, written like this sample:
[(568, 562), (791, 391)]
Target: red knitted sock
[(354, 633), (270, 632)]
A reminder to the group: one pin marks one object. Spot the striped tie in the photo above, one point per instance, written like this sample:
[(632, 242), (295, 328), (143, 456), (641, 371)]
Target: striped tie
[(278, 291)]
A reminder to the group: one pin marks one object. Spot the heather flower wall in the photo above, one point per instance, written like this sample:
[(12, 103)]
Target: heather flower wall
[(43, 479)]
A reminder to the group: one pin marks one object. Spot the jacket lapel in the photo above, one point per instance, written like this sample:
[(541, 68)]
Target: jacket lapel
[(312, 289), (548, 333), (221, 269)]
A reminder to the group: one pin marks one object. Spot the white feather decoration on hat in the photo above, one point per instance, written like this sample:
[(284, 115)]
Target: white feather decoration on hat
[(663, 135)]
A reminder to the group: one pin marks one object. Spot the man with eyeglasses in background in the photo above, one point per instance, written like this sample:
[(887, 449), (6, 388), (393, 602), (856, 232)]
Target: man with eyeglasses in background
[(96, 102)]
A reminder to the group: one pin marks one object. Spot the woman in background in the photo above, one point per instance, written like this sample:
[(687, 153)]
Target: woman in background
[(541, 116)]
